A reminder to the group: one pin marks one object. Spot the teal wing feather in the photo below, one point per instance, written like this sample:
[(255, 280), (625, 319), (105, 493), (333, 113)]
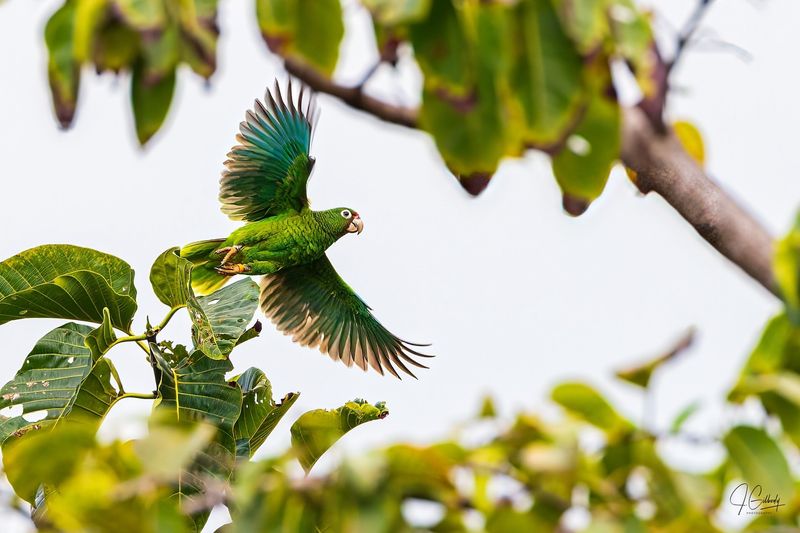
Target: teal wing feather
[(314, 305), (266, 173)]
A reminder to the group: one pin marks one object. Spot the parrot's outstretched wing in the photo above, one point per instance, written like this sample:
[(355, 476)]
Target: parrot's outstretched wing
[(314, 305), (266, 173)]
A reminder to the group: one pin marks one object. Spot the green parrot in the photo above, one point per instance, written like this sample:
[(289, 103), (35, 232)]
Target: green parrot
[(283, 240)]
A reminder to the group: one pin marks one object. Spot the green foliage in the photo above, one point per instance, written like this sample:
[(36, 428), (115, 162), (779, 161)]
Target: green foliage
[(204, 423), (316, 431), (499, 77), (149, 39)]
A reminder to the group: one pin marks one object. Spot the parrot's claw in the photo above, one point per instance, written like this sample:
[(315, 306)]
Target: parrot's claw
[(229, 252), (232, 269)]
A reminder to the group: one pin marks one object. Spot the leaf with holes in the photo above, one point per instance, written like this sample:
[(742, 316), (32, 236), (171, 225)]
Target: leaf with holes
[(316, 431), (260, 413), (59, 380), (221, 318), (62, 281)]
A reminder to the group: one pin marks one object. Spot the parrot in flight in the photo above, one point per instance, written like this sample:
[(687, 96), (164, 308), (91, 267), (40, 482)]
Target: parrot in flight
[(283, 240)]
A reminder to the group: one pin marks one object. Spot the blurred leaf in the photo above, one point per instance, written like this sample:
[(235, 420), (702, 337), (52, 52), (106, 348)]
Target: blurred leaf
[(116, 46), (587, 404), (584, 21), (316, 431), (583, 165), (394, 12), (170, 448), (442, 50), (62, 281), (63, 67), (160, 54), (45, 457), (683, 416), (633, 40), (308, 31), (760, 460), (640, 374), (61, 380), (199, 35), (488, 409), (691, 140), (547, 79), (786, 265), (221, 318), (143, 15), (260, 413), (150, 101)]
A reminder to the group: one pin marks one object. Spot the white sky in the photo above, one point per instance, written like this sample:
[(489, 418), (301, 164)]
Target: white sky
[(514, 294)]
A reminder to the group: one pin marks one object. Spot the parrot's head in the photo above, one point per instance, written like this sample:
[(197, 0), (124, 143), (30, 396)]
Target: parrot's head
[(345, 219)]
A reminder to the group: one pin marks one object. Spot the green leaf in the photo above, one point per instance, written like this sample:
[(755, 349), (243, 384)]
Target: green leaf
[(309, 31), (45, 458), (62, 281), (260, 413), (63, 67), (221, 318), (193, 387), (100, 340), (396, 12), (582, 167), (61, 380), (547, 78), (786, 264), (150, 100), (584, 21), (198, 32), (115, 47), (587, 404), (760, 460), (171, 278), (316, 431)]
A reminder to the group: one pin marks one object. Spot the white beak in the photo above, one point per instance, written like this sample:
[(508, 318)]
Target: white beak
[(356, 226)]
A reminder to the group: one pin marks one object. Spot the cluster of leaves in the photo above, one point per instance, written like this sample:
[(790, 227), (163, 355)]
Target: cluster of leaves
[(149, 38), (205, 423), (500, 77)]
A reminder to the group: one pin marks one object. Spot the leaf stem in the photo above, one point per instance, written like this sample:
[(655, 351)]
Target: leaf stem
[(140, 395)]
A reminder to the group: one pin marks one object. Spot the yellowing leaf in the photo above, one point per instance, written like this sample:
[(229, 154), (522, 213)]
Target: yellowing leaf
[(691, 140)]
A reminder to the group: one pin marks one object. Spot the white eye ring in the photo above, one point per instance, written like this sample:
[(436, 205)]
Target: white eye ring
[(346, 213)]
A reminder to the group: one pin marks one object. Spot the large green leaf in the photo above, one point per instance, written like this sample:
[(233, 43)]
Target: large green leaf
[(193, 388), (787, 270), (221, 318), (586, 403), (584, 21), (150, 100), (61, 380), (760, 460), (308, 31), (62, 281), (316, 431), (260, 413)]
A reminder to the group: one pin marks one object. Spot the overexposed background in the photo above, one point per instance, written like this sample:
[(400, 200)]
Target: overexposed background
[(514, 294)]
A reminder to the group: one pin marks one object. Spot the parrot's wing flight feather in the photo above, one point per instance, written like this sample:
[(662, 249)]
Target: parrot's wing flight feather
[(266, 173), (314, 305)]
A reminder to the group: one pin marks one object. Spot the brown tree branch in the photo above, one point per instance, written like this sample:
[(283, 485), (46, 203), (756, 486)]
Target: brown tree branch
[(662, 166)]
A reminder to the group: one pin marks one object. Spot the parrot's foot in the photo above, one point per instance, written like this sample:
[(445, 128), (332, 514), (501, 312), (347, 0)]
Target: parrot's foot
[(232, 269), (229, 252)]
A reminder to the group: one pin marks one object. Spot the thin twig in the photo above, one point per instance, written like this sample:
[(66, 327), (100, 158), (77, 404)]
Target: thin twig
[(685, 36)]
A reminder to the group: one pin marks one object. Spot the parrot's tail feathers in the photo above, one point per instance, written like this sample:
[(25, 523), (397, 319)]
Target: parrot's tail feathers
[(205, 279), (199, 252)]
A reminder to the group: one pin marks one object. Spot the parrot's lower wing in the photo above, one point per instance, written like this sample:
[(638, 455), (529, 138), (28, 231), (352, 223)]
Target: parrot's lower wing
[(314, 305)]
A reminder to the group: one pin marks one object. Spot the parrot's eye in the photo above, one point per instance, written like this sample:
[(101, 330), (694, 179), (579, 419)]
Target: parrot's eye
[(346, 213)]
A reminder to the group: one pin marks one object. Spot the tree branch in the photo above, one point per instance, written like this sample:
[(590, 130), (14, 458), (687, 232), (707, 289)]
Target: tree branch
[(662, 166)]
